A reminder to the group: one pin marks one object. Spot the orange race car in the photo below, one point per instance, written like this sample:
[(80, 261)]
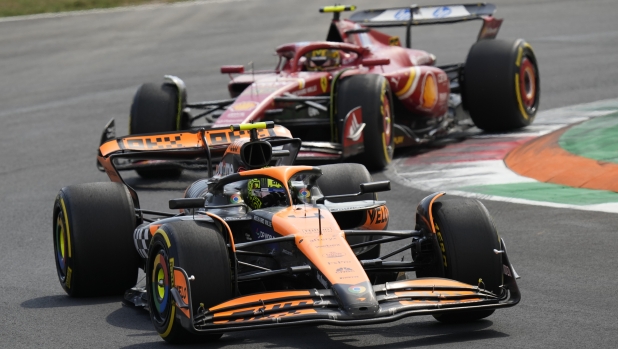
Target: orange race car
[(261, 243)]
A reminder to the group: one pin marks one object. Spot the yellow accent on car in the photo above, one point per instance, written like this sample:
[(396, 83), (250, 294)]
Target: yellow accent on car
[(164, 234), (66, 220), (171, 322), (337, 8), (69, 277), (384, 145), (518, 94), (408, 83), (247, 127)]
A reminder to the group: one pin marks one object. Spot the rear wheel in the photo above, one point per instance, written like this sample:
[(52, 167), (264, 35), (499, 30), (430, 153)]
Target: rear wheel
[(501, 88), (156, 108), (201, 251), (373, 94), (93, 239), (466, 239), (338, 179)]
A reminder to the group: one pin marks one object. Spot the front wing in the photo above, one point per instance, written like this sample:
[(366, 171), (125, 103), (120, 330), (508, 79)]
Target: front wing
[(397, 300)]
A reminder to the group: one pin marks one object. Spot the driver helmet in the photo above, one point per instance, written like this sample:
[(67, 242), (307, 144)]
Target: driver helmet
[(264, 192), (323, 59)]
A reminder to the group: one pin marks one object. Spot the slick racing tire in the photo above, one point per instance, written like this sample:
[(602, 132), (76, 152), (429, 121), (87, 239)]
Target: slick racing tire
[(373, 94), (93, 239), (156, 108), (467, 237), (202, 252), (338, 179), (501, 88)]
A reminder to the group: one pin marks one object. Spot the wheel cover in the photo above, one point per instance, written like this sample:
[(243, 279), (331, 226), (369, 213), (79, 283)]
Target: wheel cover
[(60, 245), (160, 287), (527, 85)]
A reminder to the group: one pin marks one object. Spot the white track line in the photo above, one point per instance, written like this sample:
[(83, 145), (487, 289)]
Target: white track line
[(452, 176)]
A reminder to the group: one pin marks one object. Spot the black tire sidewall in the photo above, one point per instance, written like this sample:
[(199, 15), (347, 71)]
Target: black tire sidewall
[(467, 238), (101, 258), (367, 91), (490, 92), (157, 108)]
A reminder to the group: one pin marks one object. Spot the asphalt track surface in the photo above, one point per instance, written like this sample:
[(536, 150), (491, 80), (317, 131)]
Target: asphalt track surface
[(64, 77)]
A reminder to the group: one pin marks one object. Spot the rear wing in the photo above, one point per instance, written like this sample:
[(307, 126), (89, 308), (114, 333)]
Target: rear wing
[(425, 15), (197, 145)]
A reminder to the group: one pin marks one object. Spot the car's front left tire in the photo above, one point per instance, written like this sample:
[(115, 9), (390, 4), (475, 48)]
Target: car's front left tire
[(93, 239)]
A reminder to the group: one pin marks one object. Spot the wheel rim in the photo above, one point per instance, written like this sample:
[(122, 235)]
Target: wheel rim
[(527, 85), (160, 287), (61, 247)]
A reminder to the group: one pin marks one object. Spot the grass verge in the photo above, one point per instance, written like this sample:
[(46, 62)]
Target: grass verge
[(28, 7)]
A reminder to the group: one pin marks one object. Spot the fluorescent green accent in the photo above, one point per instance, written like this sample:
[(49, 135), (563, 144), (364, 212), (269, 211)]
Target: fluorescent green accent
[(337, 8), (547, 192), (593, 139), (164, 234), (247, 127), (66, 221), (61, 237)]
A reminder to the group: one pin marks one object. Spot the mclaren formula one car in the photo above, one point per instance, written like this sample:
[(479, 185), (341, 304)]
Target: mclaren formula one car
[(360, 91), (261, 243)]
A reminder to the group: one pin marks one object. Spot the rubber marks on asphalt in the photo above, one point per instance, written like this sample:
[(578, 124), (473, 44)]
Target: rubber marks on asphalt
[(573, 167)]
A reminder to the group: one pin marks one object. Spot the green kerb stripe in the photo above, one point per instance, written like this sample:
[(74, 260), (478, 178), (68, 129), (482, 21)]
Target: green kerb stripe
[(594, 139)]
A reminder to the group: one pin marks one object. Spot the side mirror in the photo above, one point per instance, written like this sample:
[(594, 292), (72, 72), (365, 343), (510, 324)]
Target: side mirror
[(232, 69), (372, 187), (372, 62), (375, 187)]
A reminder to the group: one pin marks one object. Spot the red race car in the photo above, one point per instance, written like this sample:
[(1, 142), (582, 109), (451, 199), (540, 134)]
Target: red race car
[(360, 93)]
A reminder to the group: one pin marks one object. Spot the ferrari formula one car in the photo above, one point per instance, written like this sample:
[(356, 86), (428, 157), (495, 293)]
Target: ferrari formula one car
[(262, 243), (360, 91)]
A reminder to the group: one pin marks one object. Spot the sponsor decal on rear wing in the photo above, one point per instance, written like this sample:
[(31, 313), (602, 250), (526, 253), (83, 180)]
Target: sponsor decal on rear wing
[(424, 15), (421, 15)]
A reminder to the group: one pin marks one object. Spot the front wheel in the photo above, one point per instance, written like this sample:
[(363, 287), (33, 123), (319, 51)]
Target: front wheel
[(93, 239), (202, 252), (466, 239), (501, 87), (373, 94)]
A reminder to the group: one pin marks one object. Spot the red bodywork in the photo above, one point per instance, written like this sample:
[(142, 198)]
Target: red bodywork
[(419, 89)]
